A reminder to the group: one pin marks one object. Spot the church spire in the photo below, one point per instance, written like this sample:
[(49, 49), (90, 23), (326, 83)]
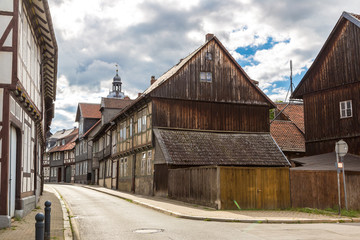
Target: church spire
[(116, 86)]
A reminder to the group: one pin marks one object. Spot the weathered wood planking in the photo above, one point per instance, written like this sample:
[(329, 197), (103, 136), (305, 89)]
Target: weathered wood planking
[(251, 188), (260, 188), (318, 189), (229, 83), (323, 123), (210, 116), (333, 77)]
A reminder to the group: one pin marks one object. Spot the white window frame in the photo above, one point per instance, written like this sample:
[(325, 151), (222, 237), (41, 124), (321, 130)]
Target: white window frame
[(143, 161), (125, 166), (148, 164), (206, 77), (346, 106)]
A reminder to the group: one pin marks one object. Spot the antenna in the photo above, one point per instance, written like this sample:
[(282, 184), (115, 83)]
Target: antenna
[(291, 83)]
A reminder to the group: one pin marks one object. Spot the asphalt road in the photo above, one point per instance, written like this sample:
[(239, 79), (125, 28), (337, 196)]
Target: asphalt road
[(101, 216)]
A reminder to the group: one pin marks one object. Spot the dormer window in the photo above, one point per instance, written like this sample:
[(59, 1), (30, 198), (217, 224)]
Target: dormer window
[(205, 77), (346, 109)]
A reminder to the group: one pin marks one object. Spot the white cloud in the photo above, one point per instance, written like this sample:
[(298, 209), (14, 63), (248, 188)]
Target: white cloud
[(147, 37)]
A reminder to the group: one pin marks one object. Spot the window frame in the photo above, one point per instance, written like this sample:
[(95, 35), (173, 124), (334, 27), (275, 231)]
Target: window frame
[(345, 109), (204, 77)]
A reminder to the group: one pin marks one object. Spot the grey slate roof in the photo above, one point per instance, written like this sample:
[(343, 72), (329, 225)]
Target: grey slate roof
[(326, 162), (189, 147)]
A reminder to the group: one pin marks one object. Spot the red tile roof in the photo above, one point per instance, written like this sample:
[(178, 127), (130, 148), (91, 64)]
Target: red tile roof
[(90, 110), (68, 146), (287, 136), (294, 112)]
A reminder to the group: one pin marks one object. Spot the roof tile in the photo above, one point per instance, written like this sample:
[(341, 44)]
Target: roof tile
[(185, 147)]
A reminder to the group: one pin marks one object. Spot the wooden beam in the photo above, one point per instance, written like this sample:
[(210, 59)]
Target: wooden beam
[(6, 32)]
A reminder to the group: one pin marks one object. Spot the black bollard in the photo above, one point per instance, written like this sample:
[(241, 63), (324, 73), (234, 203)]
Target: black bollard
[(47, 219), (39, 226)]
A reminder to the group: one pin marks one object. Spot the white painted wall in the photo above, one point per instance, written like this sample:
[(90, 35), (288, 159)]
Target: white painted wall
[(6, 5)]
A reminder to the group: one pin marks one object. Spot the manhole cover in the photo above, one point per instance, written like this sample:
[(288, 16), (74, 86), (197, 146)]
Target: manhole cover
[(148, 230)]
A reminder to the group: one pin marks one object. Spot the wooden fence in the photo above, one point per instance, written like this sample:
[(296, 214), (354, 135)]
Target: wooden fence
[(319, 189), (219, 187)]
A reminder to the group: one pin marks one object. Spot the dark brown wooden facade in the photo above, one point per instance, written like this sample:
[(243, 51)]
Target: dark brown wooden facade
[(333, 78), (181, 99)]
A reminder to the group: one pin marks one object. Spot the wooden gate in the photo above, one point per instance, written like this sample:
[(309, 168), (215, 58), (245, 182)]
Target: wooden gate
[(254, 188)]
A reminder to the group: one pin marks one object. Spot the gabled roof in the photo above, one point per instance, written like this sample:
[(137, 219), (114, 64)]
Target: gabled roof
[(326, 162), (353, 18), (172, 71), (115, 103), (287, 136), (91, 129), (69, 145), (189, 147), (294, 112), (88, 110)]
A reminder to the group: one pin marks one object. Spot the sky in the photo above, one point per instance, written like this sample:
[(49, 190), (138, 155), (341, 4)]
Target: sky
[(148, 37)]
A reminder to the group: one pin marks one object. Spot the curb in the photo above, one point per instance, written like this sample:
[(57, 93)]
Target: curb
[(201, 218), (68, 221)]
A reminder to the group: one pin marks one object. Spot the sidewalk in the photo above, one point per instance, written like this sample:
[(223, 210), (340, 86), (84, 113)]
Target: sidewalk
[(194, 212), (25, 227)]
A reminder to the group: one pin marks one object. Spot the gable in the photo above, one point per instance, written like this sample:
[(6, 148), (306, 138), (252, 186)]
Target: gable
[(338, 61), (88, 110), (229, 83)]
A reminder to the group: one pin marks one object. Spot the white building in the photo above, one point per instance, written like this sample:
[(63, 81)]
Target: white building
[(28, 69)]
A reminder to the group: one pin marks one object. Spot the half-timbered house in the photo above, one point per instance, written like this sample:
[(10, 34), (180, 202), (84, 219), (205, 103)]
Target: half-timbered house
[(28, 68), (88, 115), (207, 95), (62, 158), (330, 90)]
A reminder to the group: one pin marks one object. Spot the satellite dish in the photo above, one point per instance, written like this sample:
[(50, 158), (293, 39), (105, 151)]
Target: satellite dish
[(341, 148)]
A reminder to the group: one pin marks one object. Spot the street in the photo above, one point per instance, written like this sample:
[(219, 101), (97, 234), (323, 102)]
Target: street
[(101, 216)]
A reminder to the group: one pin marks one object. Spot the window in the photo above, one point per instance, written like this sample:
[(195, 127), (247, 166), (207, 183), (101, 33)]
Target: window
[(114, 169), (143, 125), (148, 167), (108, 168), (205, 77), (139, 125), (113, 141), (125, 166), (121, 167), (143, 160), (130, 128), (208, 56), (346, 109)]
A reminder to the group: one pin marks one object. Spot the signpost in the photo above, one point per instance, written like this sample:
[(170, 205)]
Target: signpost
[(341, 149)]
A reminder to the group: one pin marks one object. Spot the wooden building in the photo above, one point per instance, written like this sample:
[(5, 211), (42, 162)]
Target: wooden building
[(205, 92), (288, 129), (330, 90), (28, 69)]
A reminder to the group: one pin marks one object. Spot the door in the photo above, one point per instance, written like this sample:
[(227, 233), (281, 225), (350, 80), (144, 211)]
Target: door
[(59, 174), (12, 171), (68, 174)]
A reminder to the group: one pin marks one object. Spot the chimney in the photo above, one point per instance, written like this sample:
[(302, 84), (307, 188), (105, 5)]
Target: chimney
[(152, 80), (208, 37), (126, 98), (139, 94)]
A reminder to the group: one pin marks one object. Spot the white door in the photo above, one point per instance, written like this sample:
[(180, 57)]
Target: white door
[(12, 171)]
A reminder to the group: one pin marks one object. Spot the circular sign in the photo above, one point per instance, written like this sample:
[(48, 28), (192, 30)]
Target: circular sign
[(341, 148)]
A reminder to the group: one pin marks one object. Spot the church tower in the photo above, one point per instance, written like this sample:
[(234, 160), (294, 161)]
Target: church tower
[(116, 87)]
